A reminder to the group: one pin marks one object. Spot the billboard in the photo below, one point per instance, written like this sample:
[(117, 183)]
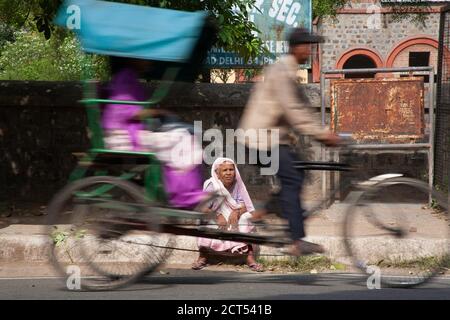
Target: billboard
[(274, 19)]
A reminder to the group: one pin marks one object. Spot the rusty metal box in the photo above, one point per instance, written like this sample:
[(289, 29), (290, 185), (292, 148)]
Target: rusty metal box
[(387, 110)]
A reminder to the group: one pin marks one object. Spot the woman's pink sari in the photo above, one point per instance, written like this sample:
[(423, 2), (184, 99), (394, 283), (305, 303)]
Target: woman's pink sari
[(232, 201)]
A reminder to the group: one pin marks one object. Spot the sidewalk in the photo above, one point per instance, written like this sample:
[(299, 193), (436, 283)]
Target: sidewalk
[(29, 243)]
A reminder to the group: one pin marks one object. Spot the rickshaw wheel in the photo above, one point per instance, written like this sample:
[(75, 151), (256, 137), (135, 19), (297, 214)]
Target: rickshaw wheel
[(112, 239)]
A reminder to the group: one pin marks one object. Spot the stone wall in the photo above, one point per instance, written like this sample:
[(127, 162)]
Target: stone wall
[(42, 124)]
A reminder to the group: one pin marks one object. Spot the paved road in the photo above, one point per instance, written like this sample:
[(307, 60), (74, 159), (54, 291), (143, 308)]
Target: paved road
[(205, 285)]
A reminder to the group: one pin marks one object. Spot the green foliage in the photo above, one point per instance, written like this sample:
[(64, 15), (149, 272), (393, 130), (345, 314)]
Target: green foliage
[(324, 8), (443, 187), (302, 264), (236, 31), (6, 35), (16, 13), (27, 13), (59, 238), (401, 12), (423, 263), (249, 74), (31, 57)]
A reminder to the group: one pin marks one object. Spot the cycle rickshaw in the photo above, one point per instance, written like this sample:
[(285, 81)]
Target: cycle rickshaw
[(117, 230)]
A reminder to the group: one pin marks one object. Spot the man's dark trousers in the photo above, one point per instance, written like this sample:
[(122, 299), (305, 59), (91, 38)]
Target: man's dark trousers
[(291, 186)]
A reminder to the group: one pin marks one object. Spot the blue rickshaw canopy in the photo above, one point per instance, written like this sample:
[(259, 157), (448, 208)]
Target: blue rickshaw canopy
[(133, 31)]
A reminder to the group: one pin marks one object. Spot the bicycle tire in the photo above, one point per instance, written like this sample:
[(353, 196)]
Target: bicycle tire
[(386, 278)]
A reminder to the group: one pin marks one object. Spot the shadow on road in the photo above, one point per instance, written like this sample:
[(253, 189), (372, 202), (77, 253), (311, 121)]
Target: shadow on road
[(218, 277)]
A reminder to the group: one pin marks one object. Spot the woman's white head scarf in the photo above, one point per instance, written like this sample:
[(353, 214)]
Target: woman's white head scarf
[(238, 189)]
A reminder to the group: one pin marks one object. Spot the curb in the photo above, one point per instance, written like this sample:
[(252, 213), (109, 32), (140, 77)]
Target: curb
[(36, 248)]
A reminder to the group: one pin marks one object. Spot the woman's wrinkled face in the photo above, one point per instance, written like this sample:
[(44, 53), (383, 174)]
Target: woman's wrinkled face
[(226, 174)]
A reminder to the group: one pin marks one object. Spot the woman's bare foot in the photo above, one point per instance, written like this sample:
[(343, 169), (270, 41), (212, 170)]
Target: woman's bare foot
[(251, 262)]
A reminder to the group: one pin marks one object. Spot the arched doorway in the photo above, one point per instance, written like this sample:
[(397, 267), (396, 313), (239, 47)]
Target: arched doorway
[(359, 61), (359, 58)]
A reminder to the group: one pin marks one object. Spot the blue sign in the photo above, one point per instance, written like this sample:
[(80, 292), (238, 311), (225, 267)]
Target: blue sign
[(274, 19)]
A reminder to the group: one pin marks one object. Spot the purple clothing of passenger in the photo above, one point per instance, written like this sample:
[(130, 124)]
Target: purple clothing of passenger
[(125, 85), (184, 189)]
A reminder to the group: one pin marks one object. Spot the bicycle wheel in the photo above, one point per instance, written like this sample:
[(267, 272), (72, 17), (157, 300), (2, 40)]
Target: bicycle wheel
[(391, 232), (113, 239)]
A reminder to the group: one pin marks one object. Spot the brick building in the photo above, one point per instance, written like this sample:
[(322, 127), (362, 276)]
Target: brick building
[(365, 34), (368, 34)]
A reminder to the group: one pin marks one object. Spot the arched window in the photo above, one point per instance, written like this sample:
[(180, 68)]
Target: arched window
[(419, 51), (413, 52)]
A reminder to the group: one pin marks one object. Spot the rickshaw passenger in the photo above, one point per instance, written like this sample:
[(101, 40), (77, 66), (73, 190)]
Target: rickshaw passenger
[(119, 122), (124, 130)]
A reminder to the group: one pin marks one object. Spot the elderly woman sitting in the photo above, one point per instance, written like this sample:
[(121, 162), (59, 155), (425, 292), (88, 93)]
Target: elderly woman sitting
[(233, 213)]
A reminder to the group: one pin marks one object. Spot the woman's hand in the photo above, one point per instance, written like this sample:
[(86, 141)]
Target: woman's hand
[(221, 222), (234, 218)]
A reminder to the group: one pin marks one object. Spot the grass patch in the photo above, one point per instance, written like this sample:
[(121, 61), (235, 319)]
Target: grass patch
[(422, 263), (301, 264)]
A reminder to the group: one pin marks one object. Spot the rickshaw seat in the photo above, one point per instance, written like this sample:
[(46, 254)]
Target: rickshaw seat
[(106, 156)]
